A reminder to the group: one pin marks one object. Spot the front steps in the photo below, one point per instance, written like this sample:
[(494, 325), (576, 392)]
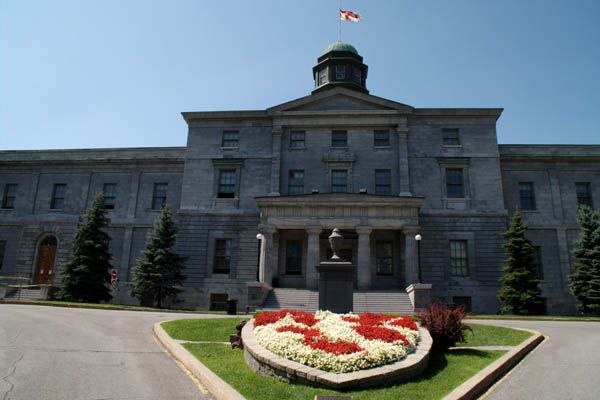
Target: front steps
[(364, 301), (25, 294)]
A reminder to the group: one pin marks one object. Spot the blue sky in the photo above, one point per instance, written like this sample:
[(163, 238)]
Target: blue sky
[(89, 74)]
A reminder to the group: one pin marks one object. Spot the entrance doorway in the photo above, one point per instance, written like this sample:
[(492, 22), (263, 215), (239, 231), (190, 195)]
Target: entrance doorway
[(45, 261)]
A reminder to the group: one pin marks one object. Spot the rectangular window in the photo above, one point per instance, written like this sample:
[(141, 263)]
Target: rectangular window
[(526, 196), (357, 75), (2, 249), (584, 193), (110, 194), (339, 181), (58, 196), (218, 301), (230, 139), (293, 257), (340, 72), (159, 195), (383, 181), (537, 261), (323, 76), (450, 137), (297, 139), (10, 194), (222, 256), (296, 182), (459, 260), (382, 138), (454, 183), (339, 139), (226, 184), (383, 255), (462, 301)]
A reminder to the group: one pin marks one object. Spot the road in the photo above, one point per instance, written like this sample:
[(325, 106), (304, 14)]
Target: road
[(67, 353), (565, 366)]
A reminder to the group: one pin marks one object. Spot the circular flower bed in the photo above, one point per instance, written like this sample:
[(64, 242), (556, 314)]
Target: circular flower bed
[(337, 343)]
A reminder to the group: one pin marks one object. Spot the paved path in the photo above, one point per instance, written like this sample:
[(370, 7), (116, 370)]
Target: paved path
[(565, 366), (67, 353)]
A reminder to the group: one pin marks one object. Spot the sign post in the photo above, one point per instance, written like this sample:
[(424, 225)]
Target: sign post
[(113, 279)]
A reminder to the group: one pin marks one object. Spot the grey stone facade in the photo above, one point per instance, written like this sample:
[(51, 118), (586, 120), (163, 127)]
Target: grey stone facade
[(273, 175)]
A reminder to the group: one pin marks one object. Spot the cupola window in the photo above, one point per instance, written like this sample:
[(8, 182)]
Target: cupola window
[(357, 75), (340, 72), (323, 76)]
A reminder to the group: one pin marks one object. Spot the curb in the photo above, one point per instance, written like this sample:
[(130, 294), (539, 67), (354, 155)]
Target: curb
[(487, 376), (215, 385)]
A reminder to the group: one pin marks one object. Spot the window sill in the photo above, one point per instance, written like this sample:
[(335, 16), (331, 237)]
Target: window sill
[(57, 210), (230, 148), (382, 148), (452, 146), (296, 148), (340, 148)]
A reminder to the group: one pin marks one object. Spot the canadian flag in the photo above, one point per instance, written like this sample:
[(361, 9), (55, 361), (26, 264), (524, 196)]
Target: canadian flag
[(349, 16)]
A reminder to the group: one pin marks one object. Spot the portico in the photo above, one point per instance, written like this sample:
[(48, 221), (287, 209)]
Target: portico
[(378, 237)]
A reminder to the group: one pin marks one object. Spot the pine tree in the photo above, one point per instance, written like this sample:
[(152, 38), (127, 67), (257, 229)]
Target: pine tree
[(160, 270), (85, 276), (585, 281), (520, 292)]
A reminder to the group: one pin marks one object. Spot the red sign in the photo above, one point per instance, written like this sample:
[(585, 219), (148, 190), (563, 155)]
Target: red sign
[(113, 279)]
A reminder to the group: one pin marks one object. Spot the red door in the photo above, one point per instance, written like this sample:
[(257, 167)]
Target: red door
[(45, 263)]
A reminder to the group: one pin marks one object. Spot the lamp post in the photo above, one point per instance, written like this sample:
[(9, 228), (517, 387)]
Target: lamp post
[(418, 239)]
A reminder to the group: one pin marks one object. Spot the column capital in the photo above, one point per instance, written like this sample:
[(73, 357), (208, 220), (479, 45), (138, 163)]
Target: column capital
[(364, 229), (411, 230), (402, 130), (277, 130), (265, 229), (313, 229)]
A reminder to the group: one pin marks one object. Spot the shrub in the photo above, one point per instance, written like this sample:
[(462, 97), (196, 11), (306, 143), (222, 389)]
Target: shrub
[(444, 324)]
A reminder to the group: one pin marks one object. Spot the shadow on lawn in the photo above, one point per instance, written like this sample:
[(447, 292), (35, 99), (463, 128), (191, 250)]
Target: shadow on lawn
[(438, 361)]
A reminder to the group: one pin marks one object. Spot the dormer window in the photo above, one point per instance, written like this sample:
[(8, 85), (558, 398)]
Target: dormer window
[(323, 76), (340, 72)]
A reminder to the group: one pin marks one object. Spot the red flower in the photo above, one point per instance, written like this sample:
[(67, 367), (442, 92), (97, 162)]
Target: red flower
[(303, 317), (336, 348), (405, 322), (309, 333), (267, 318), (371, 332)]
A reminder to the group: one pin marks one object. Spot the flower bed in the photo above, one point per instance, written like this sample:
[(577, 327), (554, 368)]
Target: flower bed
[(337, 343)]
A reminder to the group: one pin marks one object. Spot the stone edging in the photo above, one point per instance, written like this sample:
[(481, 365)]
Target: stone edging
[(215, 385), (267, 363), (487, 376)]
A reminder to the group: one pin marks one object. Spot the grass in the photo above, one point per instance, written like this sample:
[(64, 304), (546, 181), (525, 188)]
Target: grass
[(445, 372), (525, 317), (212, 329), (487, 335)]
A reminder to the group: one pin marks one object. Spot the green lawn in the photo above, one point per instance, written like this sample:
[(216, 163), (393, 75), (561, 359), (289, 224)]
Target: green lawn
[(550, 317), (487, 335), (212, 329)]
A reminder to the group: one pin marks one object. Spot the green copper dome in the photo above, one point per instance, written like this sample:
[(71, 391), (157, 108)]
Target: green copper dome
[(339, 46)]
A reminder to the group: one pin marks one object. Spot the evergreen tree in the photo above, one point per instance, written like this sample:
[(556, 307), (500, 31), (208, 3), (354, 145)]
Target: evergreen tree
[(160, 270), (520, 292), (86, 275), (585, 281)]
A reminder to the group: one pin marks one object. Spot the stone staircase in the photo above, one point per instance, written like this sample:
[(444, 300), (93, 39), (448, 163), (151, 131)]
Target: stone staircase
[(308, 300), (24, 294)]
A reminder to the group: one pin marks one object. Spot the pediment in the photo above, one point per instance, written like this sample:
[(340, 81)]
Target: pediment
[(340, 99)]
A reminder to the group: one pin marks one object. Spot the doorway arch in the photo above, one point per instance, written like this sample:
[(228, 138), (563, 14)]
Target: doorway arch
[(44, 271)]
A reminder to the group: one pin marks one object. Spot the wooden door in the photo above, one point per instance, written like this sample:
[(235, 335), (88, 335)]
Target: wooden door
[(45, 264)]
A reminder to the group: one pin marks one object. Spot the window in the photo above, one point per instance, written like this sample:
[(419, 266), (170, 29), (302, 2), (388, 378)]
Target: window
[(382, 138), (297, 139), (537, 261), (383, 178), (222, 256), (462, 301), (458, 258), (218, 301), (340, 72), (293, 257), (159, 195), (339, 139), (323, 76), (226, 184), (527, 196), (357, 75), (584, 193), (58, 196), (230, 139), (296, 182), (450, 137), (110, 194), (10, 194), (339, 181), (454, 183), (2, 249), (383, 255)]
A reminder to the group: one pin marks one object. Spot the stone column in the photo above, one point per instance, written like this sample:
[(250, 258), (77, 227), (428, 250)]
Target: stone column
[(411, 258), (276, 161), (363, 261), (403, 172), (268, 260), (312, 257)]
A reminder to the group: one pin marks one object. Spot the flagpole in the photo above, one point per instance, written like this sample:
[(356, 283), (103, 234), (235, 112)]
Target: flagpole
[(340, 21)]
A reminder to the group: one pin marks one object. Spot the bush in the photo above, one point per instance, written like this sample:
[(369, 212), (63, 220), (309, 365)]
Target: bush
[(444, 324)]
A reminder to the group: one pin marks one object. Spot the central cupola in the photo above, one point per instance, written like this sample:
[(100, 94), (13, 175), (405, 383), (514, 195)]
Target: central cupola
[(340, 65)]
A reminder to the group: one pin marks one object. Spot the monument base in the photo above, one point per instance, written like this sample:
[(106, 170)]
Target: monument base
[(336, 286)]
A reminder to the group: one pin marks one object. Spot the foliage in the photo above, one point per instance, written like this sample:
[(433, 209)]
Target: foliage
[(445, 324), (585, 281), (85, 276), (520, 292), (160, 271)]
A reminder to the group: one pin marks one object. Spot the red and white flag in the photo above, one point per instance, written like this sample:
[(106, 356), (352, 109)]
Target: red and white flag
[(349, 16)]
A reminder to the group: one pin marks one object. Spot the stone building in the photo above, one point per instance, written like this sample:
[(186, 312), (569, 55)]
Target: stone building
[(379, 170)]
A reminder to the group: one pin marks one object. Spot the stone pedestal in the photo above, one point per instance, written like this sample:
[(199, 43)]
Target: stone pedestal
[(336, 286), (419, 294)]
